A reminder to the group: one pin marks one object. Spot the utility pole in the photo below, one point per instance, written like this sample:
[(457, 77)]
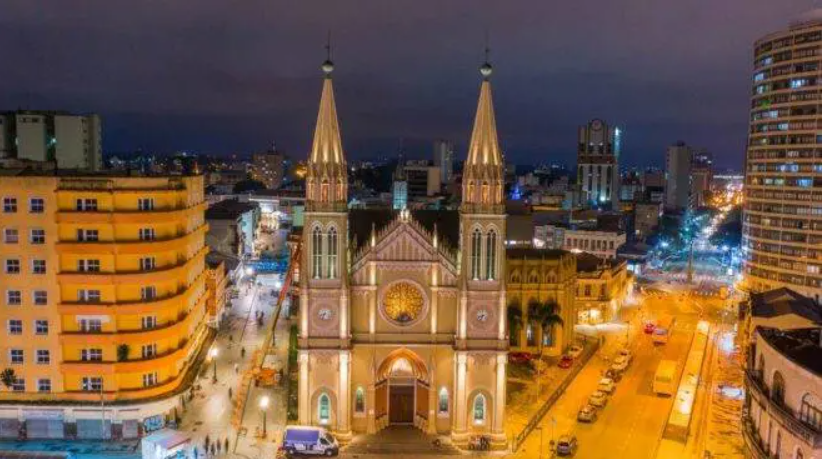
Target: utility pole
[(102, 412)]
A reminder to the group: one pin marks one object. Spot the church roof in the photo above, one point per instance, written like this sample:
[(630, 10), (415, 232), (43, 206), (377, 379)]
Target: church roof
[(327, 147), (484, 147), (361, 222)]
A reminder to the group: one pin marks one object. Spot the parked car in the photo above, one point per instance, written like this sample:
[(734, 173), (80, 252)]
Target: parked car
[(588, 413), (598, 399), (627, 354), (613, 375), (567, 445), (620, 364), (649, 328), (575, 350), (520, 357), (566, 361), (606, 385)]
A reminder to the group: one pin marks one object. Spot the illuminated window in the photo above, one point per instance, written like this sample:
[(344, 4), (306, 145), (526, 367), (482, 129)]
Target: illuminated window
[(324, 409), (476, 248), (359, 400), (332, 253), (317, 248), (491, 255), (442, 404), (479, 409)]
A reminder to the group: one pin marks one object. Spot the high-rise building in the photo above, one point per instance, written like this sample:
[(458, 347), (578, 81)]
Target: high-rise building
[(268, 168), (783, 174), (678, 162), (423, 179), (598, 153), (701, 177), (103, 300), (444, 159), (70, 141), (399, 188)]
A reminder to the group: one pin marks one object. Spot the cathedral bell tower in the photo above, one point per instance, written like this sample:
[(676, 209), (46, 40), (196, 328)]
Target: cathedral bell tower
[(324, 303), (481, 335)]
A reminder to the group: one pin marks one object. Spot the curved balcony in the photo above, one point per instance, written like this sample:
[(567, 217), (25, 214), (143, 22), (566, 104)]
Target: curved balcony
[(134, 277), (131, 247), (784, 415), (129, 216), (753, 442), (131, 307), (128, 366)]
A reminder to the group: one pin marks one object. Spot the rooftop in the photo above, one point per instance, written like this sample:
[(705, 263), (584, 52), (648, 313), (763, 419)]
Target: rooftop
[(535, 254), (783, 301), (229, 209), (588, 262), (800, 346), (361, 222)]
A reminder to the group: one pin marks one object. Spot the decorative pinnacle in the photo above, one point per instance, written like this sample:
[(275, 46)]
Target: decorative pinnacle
[(486, 68), (328, 66)]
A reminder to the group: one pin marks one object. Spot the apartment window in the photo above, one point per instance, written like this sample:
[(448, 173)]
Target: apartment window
[(145, 203), (91, 325), (92, 384), (91, 355), (149, 350), (88, 296), (9, 205), (41, 297), (149, 322), (37, 236), (43, 357), (10, 236), (44, 385), (14, 297), (19, 385), (88, 266), (150, 379), (147, 263), (87, 235), (146, 234), (37, 205), (38, 266), (15, 327), (41, 327), (148, 293), (87, 205), (16, 356), (13, 266)]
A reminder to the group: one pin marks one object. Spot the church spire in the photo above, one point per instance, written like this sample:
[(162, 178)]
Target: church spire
[(327, 177), (482, 176)]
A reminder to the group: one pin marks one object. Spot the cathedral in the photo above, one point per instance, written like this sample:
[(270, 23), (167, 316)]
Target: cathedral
[(403, 313)]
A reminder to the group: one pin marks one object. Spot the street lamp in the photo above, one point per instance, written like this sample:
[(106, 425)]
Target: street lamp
[(263, 407), (214, 351)]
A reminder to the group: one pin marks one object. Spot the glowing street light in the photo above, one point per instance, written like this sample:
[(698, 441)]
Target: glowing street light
[(263, 407), (213, 353)]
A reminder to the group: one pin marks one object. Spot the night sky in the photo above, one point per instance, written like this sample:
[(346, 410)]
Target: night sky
[(221, 77)]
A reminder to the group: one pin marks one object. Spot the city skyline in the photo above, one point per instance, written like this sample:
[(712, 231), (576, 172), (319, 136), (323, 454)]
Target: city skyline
[(199, 80)]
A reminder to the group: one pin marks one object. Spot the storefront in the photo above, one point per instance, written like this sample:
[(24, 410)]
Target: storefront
[(44, 424)]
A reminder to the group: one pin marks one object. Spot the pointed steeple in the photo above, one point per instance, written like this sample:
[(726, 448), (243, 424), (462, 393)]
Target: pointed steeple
[(482, 176), (327, 177)]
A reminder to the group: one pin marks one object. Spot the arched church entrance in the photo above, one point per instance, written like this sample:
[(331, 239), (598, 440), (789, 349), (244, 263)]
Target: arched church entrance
[(402, 388)]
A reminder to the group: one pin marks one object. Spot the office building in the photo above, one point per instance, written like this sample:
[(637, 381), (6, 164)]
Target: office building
[(678, 161), (103, 298), (783, 177), (399, 188), (71, 141), (598, 154), (444, 159), (268, 167), (423, 179), (701, 177), (646, 218)]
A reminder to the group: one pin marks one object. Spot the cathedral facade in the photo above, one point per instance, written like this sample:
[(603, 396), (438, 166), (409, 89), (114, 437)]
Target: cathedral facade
[(403, 313)]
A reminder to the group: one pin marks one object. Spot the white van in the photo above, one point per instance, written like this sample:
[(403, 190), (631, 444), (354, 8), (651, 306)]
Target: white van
[(309, 440)]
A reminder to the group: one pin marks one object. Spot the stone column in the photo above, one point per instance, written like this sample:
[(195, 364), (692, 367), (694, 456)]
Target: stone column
[(460, 414), (304, 314), (502, 314), (344, 397), (344, 315), (434, 301), (304, 401), (462, 317), (499, 397), (372, 312), (432, 396)]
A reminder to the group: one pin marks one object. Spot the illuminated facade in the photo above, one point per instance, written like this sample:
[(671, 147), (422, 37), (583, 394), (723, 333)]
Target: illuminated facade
[(403, 331), (104, 291), (598, 150), (783, 177)]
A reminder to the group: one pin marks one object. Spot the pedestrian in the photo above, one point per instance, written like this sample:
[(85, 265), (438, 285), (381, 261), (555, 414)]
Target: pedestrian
[(213, 450), (196, 453), (230, 393), (242, 352), (236, 368), (226, 445), (207, 441), (219, 446)]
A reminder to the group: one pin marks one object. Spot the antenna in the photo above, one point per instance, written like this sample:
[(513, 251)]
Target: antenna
[(328, 45), (487, 45)]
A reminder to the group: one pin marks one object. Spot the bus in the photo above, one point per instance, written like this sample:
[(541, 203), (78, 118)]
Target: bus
[(664, 383), (663, 330)]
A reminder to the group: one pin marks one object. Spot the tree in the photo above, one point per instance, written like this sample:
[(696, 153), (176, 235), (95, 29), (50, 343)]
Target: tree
[(248, 186), (514, 312), (544, 315), (122, 352), (7, 377)]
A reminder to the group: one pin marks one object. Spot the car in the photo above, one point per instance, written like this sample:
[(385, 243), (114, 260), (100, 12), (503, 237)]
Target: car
[(575, 350), (606, 385), (566, 361), (620, 364), (649, 328), (613, 375), (598, 399), (627, 354), (519, 357), (588, 413), (567, 445)]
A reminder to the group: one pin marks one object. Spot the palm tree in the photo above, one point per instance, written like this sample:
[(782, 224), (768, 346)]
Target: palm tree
[(7, 377), (514, 312), (544, 315)]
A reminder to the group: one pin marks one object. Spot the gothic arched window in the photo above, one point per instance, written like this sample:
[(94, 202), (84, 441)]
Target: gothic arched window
[(476, 249), (332, 253), (324, 408), (491, 255), (480, 409), (359, 400), (778, 388), (442, 401), (317, 253)]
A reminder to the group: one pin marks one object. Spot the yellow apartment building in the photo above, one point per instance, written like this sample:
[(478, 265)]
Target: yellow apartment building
[(603, 285), (103, 301)]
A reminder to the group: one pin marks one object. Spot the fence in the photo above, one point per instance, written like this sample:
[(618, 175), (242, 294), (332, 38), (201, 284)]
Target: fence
[(549, 402)]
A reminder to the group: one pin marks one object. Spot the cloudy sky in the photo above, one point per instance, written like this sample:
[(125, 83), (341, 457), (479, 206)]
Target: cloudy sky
[(226, 76)]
